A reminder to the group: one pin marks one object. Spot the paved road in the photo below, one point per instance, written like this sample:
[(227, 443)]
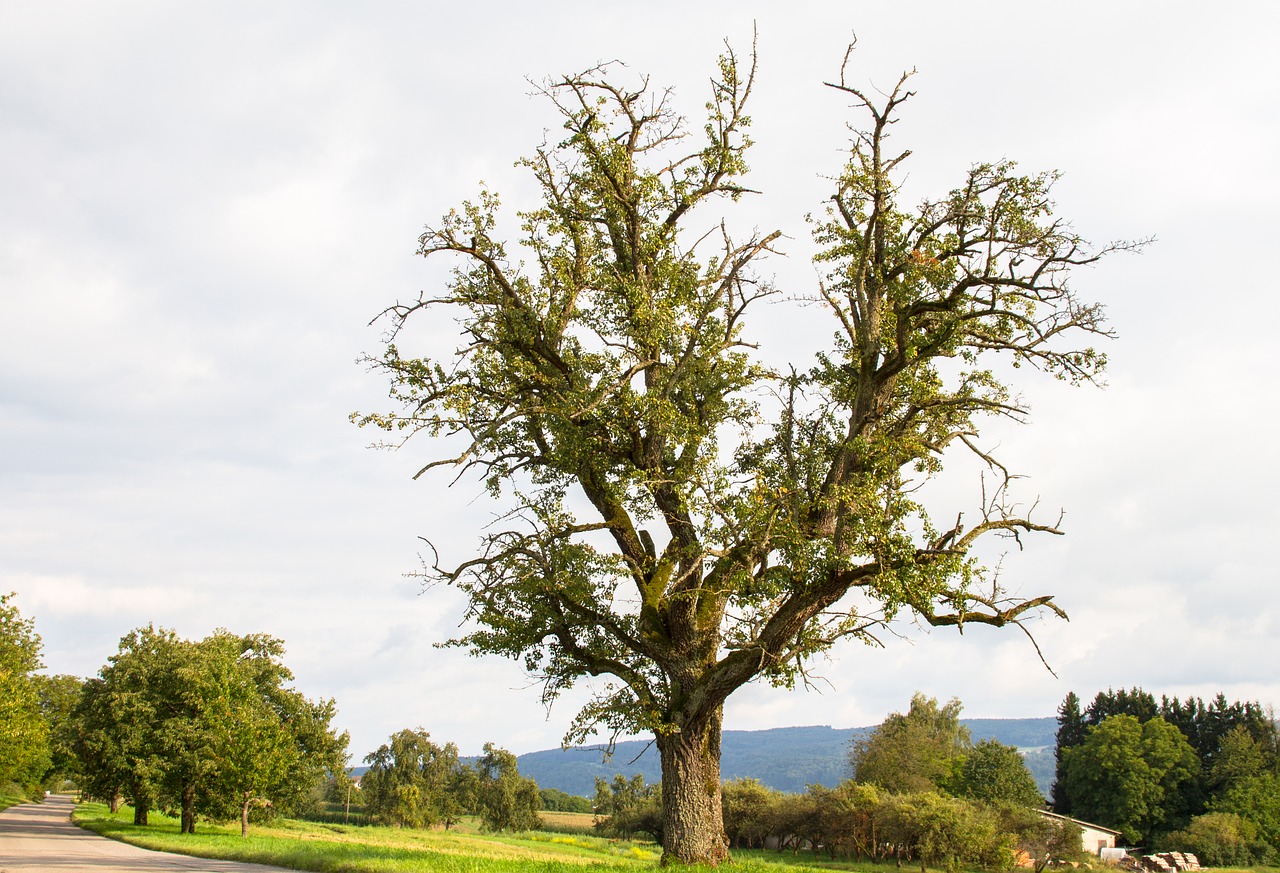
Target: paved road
[(40, 837)]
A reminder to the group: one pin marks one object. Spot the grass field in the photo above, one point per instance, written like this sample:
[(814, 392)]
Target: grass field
[(330, 848)]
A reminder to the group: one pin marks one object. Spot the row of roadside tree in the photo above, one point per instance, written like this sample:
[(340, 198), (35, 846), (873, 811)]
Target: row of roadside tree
[(213, 729), (207, 727)]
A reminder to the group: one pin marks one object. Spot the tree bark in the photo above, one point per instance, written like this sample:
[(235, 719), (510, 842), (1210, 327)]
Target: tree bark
[(693, 831), (188, 809), (140, 796), (244, 816)]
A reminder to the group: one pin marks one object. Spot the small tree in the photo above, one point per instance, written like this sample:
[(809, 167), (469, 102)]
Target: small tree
[(128, 722), (1257, 800), (625, 807), (411, 781), (1222, 839), (271, 744), (555, 800), (671, 527), (936, 829), (58, 697), (920, 750), (1043, 840), (1071, 732), (747, 805), (208, 726), (994, 772), (506, 801)]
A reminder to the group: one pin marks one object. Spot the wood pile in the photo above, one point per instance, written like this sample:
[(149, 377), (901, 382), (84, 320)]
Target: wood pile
[(1169, 862)]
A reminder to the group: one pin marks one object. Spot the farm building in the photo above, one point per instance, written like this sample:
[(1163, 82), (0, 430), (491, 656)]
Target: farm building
[(1093, 838)]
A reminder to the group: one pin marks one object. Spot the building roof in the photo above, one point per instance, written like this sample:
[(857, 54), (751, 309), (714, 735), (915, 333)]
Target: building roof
[(1083, 824)]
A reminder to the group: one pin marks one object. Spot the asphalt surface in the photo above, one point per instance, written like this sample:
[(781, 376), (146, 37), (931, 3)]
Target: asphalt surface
[(40, 837)]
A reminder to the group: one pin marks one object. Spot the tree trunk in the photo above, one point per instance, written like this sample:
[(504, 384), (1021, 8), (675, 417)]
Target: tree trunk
[(113, 803), (244, 816), (693, 831), (140, 795), (188, 808)]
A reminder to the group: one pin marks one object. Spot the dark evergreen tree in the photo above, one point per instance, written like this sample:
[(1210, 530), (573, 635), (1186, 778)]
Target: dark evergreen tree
[(1071, 733), (1134, 702)]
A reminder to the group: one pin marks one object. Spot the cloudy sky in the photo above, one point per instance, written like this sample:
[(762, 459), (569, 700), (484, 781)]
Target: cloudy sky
[(202, 205)]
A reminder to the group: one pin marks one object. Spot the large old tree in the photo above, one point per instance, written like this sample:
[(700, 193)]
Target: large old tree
[(681, 519)]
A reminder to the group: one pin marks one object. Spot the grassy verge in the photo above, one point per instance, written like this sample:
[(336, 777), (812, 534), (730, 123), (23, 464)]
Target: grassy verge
[(8, 799), (329, 848)]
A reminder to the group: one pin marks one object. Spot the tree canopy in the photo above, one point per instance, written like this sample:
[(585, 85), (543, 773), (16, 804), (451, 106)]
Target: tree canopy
[(24, 732), (996, 773), (919, 750), (1126, 772), (505, 800), (1234, 747), (679, 518), (411, 781), (208, 727), (928, 749)]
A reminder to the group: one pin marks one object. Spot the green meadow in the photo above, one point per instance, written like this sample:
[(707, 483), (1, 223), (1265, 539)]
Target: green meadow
[(334, 848)]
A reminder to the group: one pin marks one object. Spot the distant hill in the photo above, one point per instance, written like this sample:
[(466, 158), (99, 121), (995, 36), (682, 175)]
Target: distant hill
[(788, 759)]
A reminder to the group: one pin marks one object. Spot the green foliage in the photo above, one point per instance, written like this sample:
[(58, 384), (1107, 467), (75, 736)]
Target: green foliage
[(555, 800), (626, 807), (1133, 701), (411, 782), (505, 801), (1232, 742), (1221, 839), (920, 750), (1256, 799), (853, 820), (994, 772), (273, 745), (936, 829), (1071, 733), (1043, 839), (748, 809), (58, 697), (1240, 757), (24, 731), (860, 821), (209, 726), (1126, 773), (680, 519)]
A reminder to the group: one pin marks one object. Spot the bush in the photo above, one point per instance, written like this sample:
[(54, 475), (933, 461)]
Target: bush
[(555, 800), (1221, 839)]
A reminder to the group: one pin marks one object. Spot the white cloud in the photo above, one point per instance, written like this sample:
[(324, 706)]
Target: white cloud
[(202, 206)]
